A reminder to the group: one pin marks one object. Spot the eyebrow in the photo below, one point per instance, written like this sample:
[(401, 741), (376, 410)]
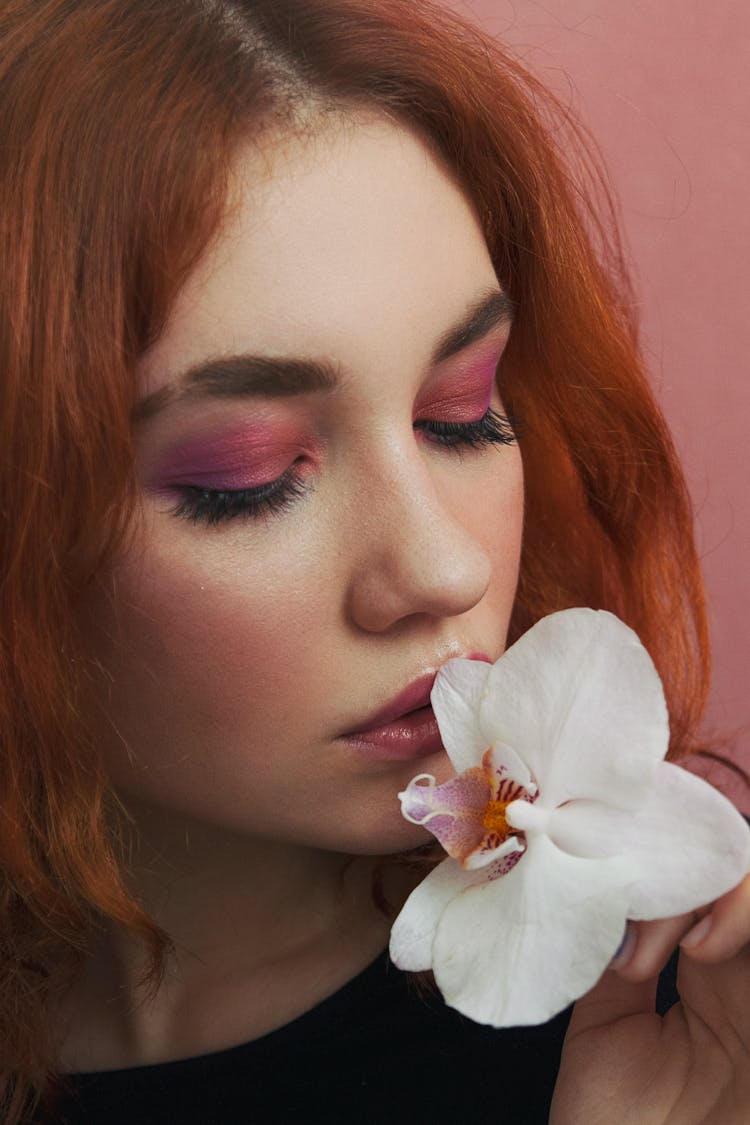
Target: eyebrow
[(243, 376)]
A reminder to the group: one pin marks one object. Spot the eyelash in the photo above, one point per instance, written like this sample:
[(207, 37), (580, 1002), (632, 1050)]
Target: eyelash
[(491, 429), (212, 506)]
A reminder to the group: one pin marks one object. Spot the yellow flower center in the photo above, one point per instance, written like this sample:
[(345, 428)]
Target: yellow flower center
[(493, 818)]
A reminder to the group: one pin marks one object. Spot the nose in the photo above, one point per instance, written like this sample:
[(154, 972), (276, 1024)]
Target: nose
[(415, 555)]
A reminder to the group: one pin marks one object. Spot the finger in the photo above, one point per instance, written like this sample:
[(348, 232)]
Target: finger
[(724, 931), (613, 998), (717, 994), (648, 946)]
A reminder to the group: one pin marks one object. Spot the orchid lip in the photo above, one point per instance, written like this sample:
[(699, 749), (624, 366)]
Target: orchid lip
[(414, 697)]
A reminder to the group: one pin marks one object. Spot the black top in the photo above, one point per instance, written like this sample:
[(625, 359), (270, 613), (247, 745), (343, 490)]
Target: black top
[(380, 1051)]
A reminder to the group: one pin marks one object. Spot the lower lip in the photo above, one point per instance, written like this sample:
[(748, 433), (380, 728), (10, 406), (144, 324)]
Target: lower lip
[(409, 737)]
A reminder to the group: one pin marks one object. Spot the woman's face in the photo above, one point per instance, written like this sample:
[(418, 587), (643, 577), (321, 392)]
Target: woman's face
[(329, 515)]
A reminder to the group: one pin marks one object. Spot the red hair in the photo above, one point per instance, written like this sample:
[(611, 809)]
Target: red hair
[(118, 124)]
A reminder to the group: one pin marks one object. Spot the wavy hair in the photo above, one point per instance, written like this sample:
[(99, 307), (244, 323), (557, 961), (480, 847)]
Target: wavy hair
[(118, 126)]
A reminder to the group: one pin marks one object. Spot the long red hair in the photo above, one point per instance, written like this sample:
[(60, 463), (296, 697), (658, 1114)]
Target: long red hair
[(118, 124)]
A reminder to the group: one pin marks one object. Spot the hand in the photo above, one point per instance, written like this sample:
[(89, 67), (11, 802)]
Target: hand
[(624, 1065)]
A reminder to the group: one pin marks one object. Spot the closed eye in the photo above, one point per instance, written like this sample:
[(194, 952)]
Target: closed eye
[(492, 428), (215, 505)]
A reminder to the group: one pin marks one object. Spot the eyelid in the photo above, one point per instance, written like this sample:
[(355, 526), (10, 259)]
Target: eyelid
[(234, 456), (462, 390), (213, 506), (231, 479)]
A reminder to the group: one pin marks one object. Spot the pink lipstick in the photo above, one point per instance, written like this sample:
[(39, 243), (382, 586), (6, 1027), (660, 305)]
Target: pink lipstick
[(414, 697), (405, 729)]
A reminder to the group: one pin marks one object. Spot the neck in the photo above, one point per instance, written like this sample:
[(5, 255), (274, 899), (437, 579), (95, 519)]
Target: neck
[(262, 931)]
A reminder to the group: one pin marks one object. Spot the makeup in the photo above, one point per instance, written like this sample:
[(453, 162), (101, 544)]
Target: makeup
[(412, 736), (464, 393), (405, 728), (243, 457)]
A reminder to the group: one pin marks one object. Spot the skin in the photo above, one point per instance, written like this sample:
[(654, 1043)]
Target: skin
[(287, 630), (234, 656)]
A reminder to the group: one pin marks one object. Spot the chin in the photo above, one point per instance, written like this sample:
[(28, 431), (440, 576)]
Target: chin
[(384, 834)]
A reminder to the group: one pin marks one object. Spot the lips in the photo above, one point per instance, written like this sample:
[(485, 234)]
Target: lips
[(414, 697), (404, 728)]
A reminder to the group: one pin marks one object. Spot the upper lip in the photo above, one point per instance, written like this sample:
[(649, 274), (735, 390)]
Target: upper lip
[(416, 695), (413, 697)]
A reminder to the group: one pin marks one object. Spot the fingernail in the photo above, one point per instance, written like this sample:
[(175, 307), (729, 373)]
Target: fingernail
[(698, 933), (626, 948)]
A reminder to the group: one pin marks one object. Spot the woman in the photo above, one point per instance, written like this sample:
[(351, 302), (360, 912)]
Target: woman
[(261, 262)]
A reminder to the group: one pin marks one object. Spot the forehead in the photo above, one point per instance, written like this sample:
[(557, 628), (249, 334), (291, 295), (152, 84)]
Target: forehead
[(352, 242)]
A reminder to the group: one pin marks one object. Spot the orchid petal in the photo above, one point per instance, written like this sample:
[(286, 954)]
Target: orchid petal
[(413, 931), (455, 701), (580, 701), (570, 727), (519, 949), (503, 761), (590, 829), (480, 858), (690, 843)]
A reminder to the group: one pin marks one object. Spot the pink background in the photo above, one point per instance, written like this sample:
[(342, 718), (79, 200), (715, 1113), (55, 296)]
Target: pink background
[(664, 89)]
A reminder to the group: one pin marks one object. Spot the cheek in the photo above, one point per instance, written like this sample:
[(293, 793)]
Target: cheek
[(203, 655), (493, 513), (506, 555), (510, 504), (223, 659)]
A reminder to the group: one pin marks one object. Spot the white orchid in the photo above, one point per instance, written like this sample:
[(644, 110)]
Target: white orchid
[(564, 822)]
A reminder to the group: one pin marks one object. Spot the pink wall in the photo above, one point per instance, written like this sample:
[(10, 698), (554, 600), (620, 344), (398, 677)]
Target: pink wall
[(663, 87)]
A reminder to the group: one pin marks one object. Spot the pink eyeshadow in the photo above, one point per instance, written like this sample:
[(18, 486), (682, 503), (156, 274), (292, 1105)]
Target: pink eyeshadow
[(235, 459), (464, 395)]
